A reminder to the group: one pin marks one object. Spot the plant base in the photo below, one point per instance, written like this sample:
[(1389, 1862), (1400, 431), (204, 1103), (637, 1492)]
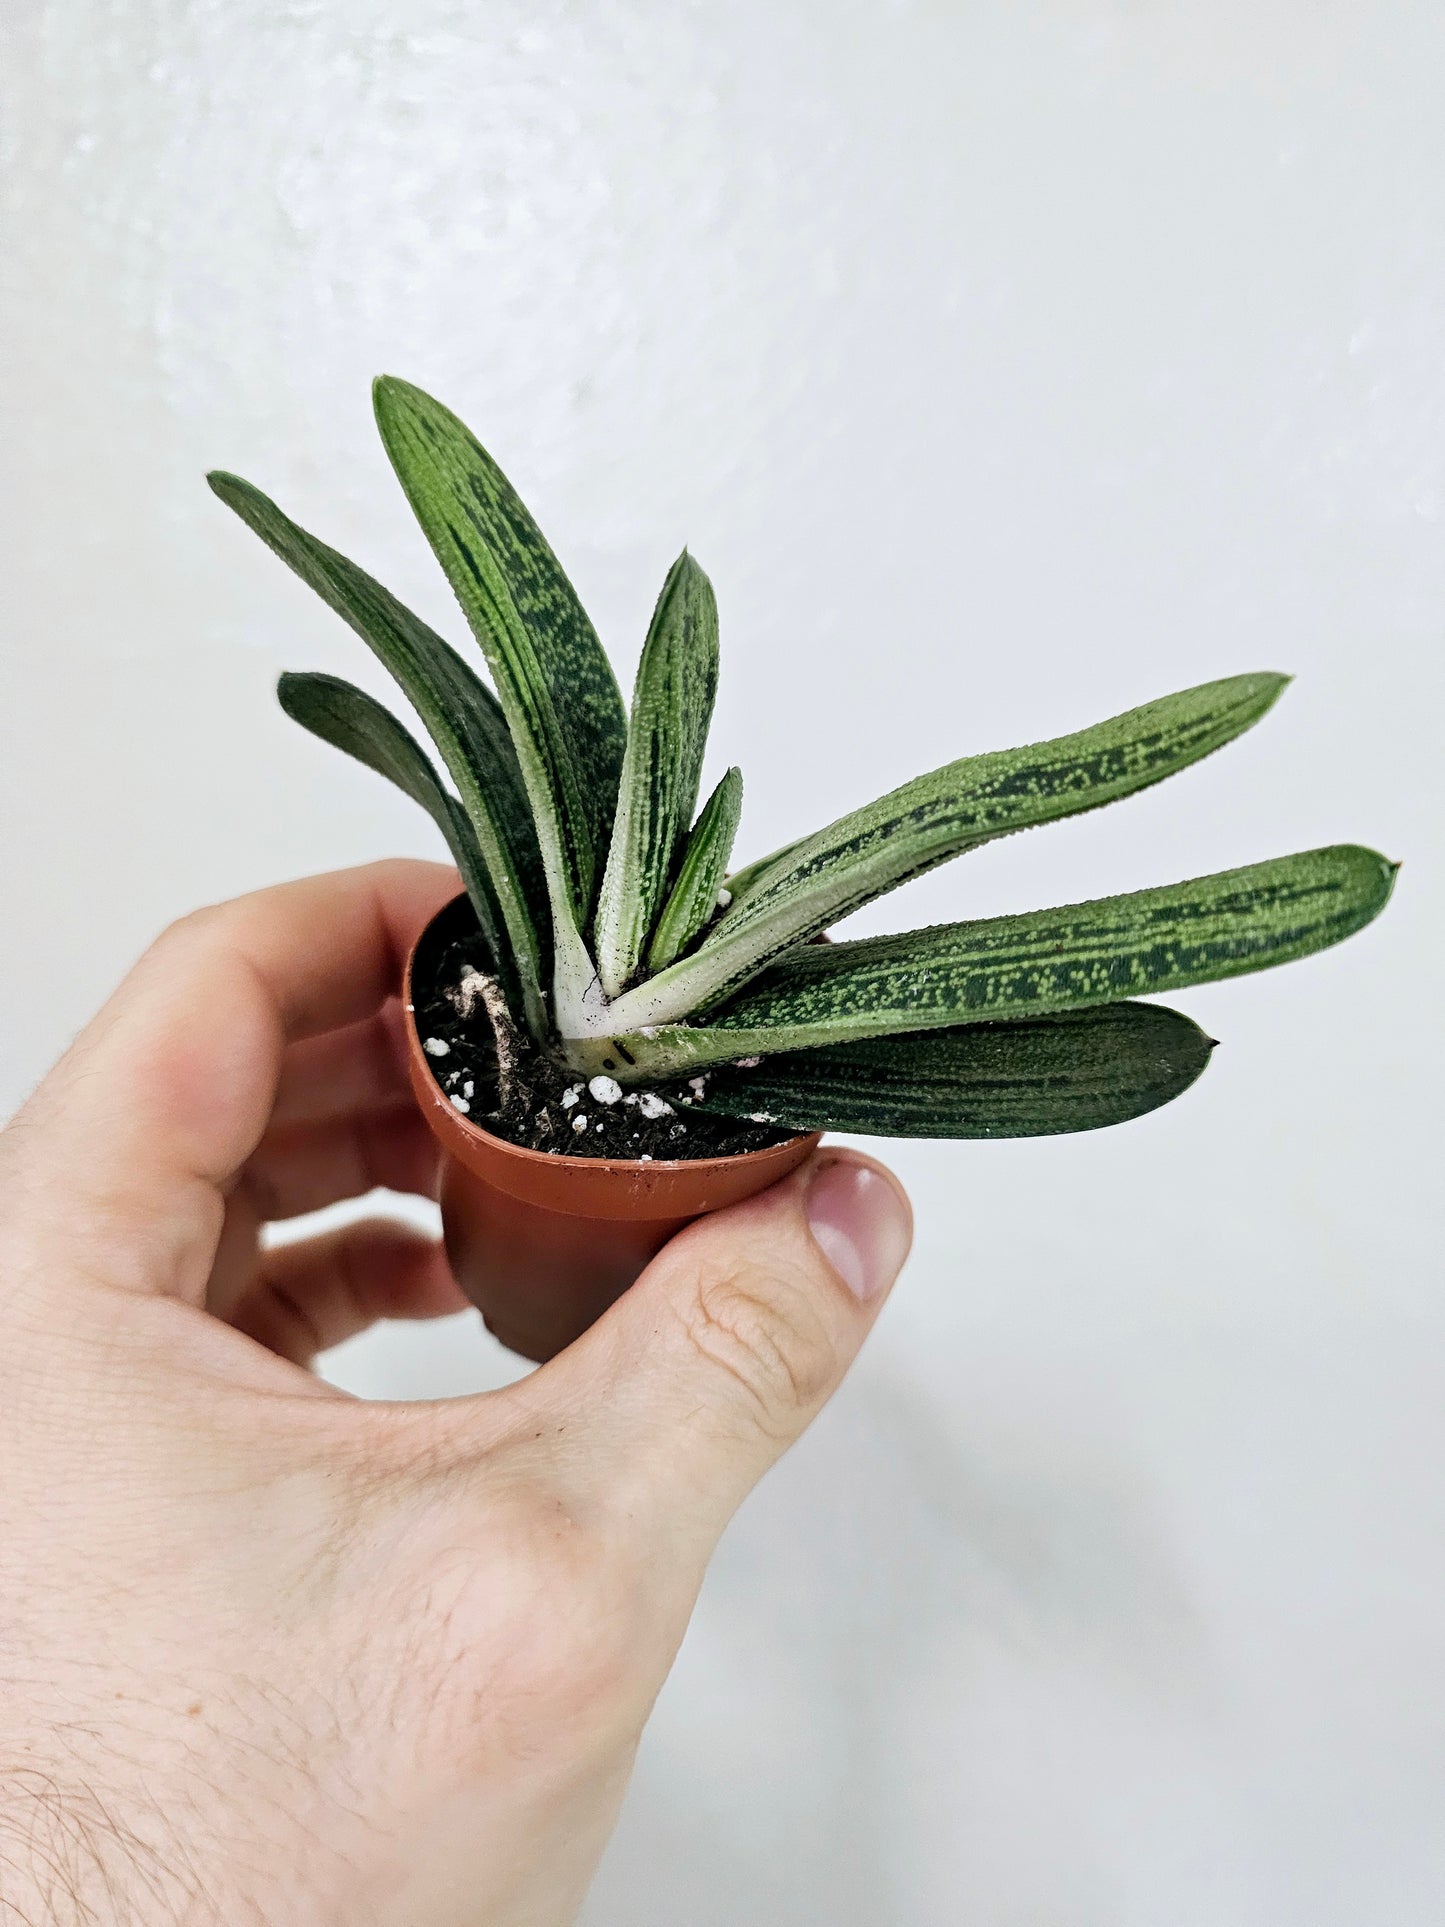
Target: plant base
[(543, 1104), (543, 1243)]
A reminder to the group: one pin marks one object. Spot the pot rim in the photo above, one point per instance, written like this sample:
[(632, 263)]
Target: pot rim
[(551, 1160)]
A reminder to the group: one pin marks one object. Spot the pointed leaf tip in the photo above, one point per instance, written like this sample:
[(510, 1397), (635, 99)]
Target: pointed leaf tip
[(1275, 681), (230, 488), (390, 394)]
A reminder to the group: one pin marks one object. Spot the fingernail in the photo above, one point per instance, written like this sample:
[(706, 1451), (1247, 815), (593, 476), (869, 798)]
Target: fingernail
[(862, 1222)]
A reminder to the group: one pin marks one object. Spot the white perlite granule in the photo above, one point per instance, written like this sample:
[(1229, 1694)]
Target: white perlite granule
[(461, 1104), (570, 1096), (651, 1105), (437, 1047), (606, 1090), (579, 1123), (746, 1063)]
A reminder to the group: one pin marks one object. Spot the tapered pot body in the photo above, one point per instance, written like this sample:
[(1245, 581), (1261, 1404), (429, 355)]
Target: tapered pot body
[(542, 1244)]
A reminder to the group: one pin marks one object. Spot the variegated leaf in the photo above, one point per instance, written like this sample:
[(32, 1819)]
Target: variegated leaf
[(350, 720), (939, 816), (1019, 966), (694, 896), (666, 735), (461, 716), (557, 687), (743, 879)]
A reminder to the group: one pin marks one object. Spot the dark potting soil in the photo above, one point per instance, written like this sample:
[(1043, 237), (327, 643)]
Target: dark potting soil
[(550, 1108)]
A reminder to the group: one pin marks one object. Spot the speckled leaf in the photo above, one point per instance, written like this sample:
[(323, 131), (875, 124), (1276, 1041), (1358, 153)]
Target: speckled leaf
[(1083, 953), (943, 814), (1075, 1070), (556, 685), (461, 716), (694, 896), (666, 735), (743, 879), (350, 720)]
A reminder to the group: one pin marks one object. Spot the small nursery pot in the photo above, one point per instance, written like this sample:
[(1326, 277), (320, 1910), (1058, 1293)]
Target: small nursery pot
[(543, 1243)]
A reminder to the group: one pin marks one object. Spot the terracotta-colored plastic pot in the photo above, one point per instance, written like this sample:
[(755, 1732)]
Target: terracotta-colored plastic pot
[(542, 1244)]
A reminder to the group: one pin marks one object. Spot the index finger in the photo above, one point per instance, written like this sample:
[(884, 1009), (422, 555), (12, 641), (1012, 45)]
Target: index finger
[(130, 1142)]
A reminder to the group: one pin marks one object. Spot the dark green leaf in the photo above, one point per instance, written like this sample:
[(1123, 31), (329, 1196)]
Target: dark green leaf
[(556, 685), (350, 720), (694, 896), (460, 713), (666, 735), (1076, 1070)]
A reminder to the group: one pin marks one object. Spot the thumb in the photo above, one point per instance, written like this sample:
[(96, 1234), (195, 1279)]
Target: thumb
[(732, 1340)]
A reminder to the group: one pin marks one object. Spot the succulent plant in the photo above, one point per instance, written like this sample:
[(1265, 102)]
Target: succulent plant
[(622, 942)]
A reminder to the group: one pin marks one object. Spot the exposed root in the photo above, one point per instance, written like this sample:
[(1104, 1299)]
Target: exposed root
[(477, 987)]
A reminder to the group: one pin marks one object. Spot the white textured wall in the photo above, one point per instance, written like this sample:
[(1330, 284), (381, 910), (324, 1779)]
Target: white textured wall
[(1005, 365)]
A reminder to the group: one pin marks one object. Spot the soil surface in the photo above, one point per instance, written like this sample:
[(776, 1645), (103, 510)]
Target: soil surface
[(548, 1107)]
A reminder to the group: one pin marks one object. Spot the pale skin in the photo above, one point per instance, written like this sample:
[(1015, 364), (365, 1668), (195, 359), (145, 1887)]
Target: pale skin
[(271, 1654)]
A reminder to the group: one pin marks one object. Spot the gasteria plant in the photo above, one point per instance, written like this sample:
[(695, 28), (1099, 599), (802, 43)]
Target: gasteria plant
[(625, 947)]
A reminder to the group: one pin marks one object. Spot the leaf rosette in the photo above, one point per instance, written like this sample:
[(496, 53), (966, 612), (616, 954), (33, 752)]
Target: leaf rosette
[(623, 944)]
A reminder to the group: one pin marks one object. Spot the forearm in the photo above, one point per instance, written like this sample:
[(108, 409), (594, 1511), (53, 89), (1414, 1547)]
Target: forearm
[(72, 1854)]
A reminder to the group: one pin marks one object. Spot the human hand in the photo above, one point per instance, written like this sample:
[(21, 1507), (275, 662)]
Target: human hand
[(270, 1654)]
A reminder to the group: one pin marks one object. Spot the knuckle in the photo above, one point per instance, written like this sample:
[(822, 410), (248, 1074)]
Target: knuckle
[(194, 926), (386, 870), (766, 1333)]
